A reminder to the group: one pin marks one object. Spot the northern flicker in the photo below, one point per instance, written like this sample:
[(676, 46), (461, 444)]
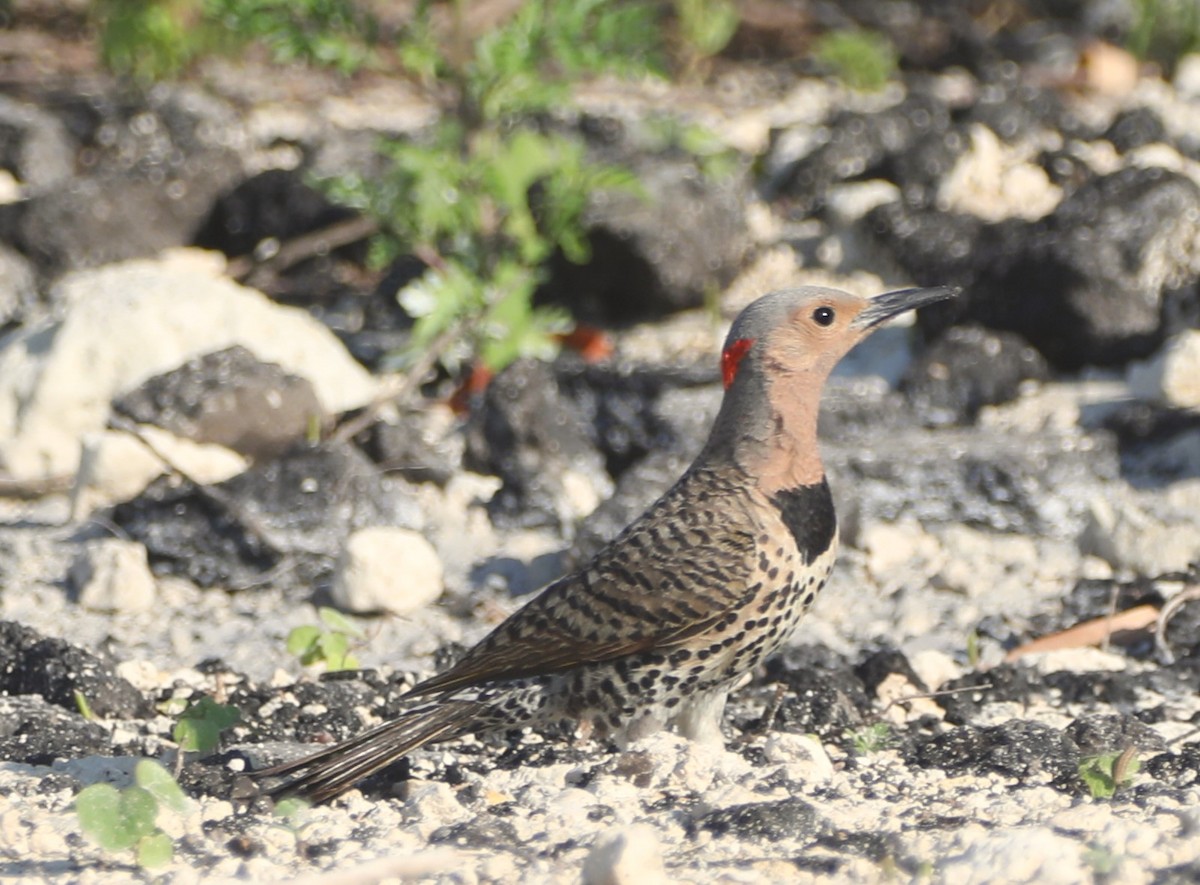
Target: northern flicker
[(695, 593)]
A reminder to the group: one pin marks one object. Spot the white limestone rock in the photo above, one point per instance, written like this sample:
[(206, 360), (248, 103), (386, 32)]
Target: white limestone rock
[(629, 856), (1135, 540), (803, 754), (115, 466), (113, 575), (127, 322), (383, 568), (1171, 376), (995, 181)]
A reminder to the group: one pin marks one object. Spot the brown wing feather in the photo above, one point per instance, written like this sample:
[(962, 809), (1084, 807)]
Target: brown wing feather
[(671, 575)]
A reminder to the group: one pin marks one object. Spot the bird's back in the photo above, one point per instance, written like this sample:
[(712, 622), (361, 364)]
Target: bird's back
[(692, 595)]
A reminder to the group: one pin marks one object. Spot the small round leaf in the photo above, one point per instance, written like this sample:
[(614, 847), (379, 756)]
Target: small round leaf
[(155, 850)]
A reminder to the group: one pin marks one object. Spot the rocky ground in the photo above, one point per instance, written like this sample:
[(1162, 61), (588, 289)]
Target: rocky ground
[(1018, 475)]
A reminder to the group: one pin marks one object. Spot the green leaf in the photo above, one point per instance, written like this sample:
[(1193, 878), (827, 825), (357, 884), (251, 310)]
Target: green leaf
[(223, 715), (418, 51), (196, 735), (335, 620), (98, 807), (1096, 773), (292, 809), (155, 850), (863, 60), (707, 25), (301, 639), (873, 738), (81, 704), (115, 819), (333, 648), (973, 649), (199, 727), (158, 782), (1101, 859)]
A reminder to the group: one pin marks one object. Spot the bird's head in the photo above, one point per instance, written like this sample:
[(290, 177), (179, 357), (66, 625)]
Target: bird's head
[(776, 359), (805, 331)]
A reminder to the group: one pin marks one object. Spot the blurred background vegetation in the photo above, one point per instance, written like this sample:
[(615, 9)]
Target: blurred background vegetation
[(491, 192)]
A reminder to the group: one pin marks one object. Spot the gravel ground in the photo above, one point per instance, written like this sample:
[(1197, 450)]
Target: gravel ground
[(854, 779), (1018, 485)]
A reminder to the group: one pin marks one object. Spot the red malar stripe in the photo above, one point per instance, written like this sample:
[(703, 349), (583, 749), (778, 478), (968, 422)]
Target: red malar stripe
[(731, 358)]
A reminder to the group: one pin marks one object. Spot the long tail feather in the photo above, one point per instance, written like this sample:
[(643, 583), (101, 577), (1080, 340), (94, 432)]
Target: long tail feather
[(334, 770)]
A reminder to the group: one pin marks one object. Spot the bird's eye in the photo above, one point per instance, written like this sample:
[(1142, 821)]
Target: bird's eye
[(823, 316)]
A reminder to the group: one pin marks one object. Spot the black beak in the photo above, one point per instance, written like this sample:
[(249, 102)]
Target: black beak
[(884, 307)]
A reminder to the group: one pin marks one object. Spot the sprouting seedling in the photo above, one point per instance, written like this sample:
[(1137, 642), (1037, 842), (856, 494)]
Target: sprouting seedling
[(82, 705), (1104, 774), (863, 60), (328, 645), (973, 649), (292, 814), (1102, 860), (872, 738), (200, 725), (121, 820)]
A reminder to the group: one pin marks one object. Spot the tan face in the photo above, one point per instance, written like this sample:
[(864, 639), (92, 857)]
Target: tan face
[(816, 334)]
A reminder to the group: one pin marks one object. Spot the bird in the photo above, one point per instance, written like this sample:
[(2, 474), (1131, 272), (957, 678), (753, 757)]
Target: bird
[(658, 627)]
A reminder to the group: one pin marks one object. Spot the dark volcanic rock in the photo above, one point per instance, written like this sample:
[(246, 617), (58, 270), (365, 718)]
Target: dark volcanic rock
[(934, 245), (1136, 128), (859, 145), (879, 665), (34, 146), (920, 170), (1015, 109), (53, 668), (966, 369), (1090, 285), (1097, 735), (230, 398), (1157, 443), (91, 222), (276, 204), (404, 445), (373, 325), (529, 433), (655, 252), (883, 465), (290, 514), (1016, 749), (620, 405), (679, 418), (312, 712), (1006, 682), (825, 696), (1115, 690), (1064, 169), (1180, 768), (272, 210), (35, 732), (482, 833), (150, 174), (770, 821), (1085, 285)]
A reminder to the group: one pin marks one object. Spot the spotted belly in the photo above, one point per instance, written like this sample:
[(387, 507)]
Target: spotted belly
[(653, 688)]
